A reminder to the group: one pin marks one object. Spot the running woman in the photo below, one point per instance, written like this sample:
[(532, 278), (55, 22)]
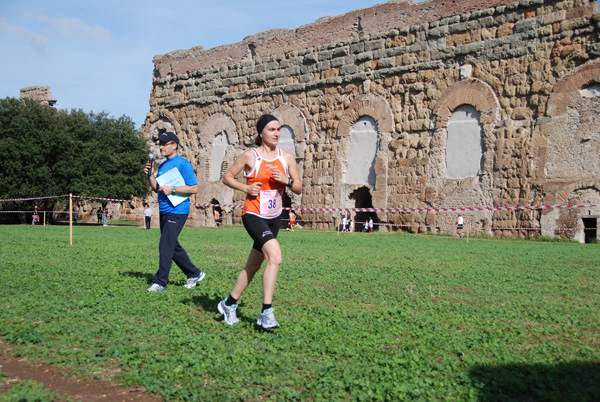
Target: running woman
[(268, 171)]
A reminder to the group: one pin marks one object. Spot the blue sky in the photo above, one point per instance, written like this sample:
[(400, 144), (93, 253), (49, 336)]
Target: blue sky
[(97, 55)]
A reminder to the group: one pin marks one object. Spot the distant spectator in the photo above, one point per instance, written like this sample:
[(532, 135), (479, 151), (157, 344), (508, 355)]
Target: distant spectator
[(35, 217), (105, 216), (99, 215), (459, 226), (292, 220), (370, 225), (217, 218), (148, 216)]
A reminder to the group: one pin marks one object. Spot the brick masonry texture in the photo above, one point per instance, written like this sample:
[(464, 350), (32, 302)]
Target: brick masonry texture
[(408, 66)]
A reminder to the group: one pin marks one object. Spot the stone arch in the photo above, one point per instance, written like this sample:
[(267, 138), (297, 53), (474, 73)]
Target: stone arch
[(163, 118), (574, 139), (474, 190), (216, 127), (217, 123), (474, 93), (463, 144), (360, 168), (468, 92), (564, 89), (573, 142), (377, 108), (572, 146), (160, 122), (287, 140), (293, 120), (218, 163), (293, 117), (372, 105)]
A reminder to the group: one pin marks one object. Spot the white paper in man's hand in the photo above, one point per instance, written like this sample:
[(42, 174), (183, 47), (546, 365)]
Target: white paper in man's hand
[(173, 178)]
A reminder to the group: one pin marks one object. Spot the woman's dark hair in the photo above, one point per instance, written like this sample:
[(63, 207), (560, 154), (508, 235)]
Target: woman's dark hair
[(260, 126)]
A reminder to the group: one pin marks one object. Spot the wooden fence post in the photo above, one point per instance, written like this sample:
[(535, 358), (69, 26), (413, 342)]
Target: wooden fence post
[(71, 219)]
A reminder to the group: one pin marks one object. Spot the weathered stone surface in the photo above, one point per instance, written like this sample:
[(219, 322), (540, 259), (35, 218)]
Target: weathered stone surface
[(520, 64)]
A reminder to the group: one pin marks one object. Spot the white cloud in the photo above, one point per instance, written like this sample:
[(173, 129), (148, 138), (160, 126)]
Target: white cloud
[(36, 41), (75, 27)]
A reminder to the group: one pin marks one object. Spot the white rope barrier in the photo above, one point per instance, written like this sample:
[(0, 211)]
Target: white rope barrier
[(347, 210), (450, 209)]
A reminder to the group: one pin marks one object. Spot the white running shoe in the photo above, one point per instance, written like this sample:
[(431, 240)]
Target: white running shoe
[(156, 288), (191, 282), (267, 320), (228, 312)]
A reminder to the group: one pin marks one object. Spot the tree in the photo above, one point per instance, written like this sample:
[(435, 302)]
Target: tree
[(47, 152)]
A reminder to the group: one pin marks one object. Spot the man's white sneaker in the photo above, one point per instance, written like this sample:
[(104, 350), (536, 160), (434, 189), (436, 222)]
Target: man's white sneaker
[(191, 282), (156, 288)]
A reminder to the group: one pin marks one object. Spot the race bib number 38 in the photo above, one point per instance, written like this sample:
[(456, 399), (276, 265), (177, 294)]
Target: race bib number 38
[(271, 203)]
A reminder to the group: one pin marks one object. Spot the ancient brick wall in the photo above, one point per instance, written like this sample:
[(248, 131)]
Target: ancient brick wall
[(40, 94), (410, 67)]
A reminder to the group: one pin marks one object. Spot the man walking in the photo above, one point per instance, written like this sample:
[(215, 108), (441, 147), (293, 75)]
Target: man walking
[(174, 207)]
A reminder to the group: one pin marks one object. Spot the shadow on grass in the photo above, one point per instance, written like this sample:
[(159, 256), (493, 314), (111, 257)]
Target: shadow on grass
[(137, 274), (522, 382), (209, 304)]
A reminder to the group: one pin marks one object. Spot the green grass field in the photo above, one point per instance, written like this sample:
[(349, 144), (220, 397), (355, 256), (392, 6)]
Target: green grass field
[(366, 317)]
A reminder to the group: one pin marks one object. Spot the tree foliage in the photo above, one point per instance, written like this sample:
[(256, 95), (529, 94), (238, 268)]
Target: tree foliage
[(49, 152)]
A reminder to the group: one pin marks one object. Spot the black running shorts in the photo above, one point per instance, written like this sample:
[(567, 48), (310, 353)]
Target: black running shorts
[(261, 230)]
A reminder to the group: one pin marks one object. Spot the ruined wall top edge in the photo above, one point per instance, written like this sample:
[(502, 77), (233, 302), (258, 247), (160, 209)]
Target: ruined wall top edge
[(396, 14)]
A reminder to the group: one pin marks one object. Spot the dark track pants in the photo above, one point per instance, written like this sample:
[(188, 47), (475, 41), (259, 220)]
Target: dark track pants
[(171, 251)]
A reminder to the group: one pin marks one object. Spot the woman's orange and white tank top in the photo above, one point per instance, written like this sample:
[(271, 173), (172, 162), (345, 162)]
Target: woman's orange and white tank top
[(269, 203)]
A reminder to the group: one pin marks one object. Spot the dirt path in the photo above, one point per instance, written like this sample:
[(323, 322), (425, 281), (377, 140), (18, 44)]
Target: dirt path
[(53, 379)]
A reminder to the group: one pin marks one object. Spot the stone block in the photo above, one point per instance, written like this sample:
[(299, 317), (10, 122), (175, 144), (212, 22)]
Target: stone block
[(375, 45), (357, 48), (389, 62)]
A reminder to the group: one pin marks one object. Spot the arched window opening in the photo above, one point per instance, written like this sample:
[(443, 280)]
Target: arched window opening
[(463, 148), (287, 141), (363, 149), (218, 156), (593, 91)]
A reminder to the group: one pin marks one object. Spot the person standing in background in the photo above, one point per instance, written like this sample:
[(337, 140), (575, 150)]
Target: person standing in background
[(35, 217), (217, 218), (148, 216), (459, 226), (292, 220)]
